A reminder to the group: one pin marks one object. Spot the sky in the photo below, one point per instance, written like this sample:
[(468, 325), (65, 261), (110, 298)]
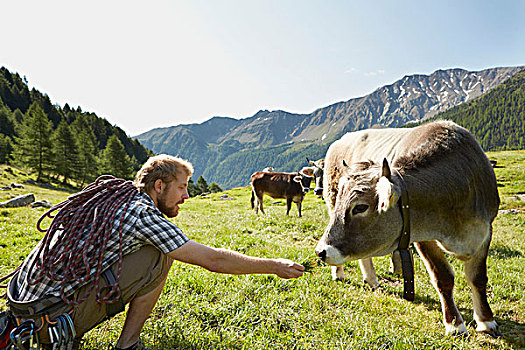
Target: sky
[(148, 64)]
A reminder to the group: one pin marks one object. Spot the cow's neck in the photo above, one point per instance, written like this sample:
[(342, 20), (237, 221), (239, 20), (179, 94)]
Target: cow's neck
[(424, 204)]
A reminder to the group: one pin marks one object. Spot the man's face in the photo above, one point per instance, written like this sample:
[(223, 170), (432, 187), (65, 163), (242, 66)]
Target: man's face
[(172, 195)]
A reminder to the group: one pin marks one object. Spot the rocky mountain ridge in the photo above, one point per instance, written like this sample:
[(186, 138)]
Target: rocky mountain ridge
[(410, 99)]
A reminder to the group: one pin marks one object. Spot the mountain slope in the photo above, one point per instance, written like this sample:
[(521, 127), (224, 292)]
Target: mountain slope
[(496, 118), (249, 143)]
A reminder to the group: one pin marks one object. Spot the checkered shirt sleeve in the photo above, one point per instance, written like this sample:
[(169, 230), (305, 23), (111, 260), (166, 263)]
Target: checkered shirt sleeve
[(153, 228)]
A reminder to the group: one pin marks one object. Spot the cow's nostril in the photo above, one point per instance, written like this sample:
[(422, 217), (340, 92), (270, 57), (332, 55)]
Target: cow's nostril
[(321, 254)]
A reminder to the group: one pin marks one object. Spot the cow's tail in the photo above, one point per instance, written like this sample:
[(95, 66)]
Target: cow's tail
[(253, 199)]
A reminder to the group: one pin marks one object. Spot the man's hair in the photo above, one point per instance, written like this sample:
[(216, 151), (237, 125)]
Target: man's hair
[(164, 167)]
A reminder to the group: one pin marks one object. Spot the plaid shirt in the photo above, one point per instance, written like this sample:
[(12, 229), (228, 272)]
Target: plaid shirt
[(143, 224)]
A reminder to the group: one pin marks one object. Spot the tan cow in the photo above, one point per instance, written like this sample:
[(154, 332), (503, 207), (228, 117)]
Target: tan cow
[(453, 200)]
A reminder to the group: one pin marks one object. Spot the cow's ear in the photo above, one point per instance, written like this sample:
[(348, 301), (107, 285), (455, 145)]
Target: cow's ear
[(297, 178), (308, 171), (385, 189)]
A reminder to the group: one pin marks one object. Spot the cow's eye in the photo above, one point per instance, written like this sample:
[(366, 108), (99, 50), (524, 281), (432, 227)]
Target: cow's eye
[(360, 208)]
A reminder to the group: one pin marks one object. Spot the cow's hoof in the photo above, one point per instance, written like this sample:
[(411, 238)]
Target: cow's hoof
[(338, 278), (373, 286), (491, 328), (372, 283), (456, 331)]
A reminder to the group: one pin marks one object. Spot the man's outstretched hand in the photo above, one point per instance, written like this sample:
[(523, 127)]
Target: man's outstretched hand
[(288, 269)]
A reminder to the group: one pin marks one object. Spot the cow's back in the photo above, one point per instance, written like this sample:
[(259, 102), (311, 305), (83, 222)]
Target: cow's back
[(444, 159), (447, 168)]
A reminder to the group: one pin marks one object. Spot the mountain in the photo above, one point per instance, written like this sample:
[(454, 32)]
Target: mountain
[(497, 118), (227, 150)]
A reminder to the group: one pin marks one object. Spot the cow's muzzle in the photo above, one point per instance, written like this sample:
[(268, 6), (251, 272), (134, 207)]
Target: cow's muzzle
[(318, 191), (329, 254)]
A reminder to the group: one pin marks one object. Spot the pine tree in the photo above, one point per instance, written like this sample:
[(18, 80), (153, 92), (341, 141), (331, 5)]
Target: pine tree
[(192, 189), (33, 146), (202, 184), (7, 124), (87, 167), (115, 160), (214, 188), (66, 152), (5, 148), (7, 127)]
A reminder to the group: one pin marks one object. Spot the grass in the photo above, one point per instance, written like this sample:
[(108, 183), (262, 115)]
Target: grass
[(203, 310)]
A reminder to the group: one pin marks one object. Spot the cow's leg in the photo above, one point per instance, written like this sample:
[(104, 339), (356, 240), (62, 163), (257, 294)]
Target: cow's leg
[(288, 205), (396, 265), (369, 272), (337, 273), (259, 202), (299, 204), (476, 273), (442, 277)]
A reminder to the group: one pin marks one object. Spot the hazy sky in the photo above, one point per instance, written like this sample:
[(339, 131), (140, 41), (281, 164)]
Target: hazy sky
[(148, 64)]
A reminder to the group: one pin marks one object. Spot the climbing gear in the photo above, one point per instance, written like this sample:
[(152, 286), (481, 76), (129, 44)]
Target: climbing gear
[(7, 323), (79, 231), (62, 332), (25, 337), (79, 235)]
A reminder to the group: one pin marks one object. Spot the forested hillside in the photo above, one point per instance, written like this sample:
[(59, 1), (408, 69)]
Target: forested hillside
[(497, 119), (63, 142)]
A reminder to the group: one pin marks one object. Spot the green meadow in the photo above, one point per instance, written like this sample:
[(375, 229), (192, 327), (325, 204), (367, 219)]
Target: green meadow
[(203, 310)]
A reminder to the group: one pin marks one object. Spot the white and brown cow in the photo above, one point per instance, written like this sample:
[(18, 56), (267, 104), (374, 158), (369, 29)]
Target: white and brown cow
[(453, 200), (318, 168), (291, 186)]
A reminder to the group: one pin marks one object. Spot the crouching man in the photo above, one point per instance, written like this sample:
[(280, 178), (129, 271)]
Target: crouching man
[(111, 245)]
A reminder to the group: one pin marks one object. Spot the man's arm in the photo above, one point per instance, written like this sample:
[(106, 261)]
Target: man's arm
[(227, 261)]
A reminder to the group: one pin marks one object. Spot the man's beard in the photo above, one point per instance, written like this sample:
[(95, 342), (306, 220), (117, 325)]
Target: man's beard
[(170, 212)]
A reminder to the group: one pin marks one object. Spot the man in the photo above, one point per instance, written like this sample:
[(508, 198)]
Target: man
[(146, 242)]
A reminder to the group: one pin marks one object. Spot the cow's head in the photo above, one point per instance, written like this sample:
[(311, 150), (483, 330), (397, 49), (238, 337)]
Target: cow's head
[(318, 168), (364, 222), (304, 179)]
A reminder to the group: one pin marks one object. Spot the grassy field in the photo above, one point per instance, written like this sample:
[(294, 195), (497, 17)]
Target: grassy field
[(203, 310)]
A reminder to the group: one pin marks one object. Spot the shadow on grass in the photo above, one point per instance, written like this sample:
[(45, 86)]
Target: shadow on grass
[(502, 252), (513, 331)]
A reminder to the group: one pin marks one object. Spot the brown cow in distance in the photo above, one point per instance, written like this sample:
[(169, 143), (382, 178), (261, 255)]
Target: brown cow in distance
[(290, 186)]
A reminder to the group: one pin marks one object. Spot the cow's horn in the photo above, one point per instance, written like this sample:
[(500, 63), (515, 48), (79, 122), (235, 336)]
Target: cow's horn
[(385, 170)]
